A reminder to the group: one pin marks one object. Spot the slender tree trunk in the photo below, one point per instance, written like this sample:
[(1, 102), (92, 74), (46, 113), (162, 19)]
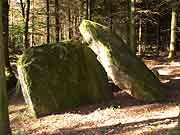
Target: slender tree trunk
[(108, 12), (62, 24), (69, 21), (22, 8), (158, 37), (26, 29), (82, 16), (48, 28), (33, 24), (172, 47), (87, 9), (76, 17), (132, 27), (62, 31), (140, 38), (6, 34), (12, 39), (91, 5), (4, 117), (57, 20), (146, 2)]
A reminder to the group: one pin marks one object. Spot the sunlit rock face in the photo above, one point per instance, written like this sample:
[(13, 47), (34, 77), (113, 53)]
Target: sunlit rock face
[(57, 77), (122, 66)]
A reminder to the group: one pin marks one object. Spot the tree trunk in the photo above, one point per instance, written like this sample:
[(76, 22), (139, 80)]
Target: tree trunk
[(90, 9), (82, 16), (158, 38), (87, 9), (48, 29), (57, 20), (140, 37), (6, 35), (4, 117), (158, 30), (22, 8), (108, 12), (172, 47), (62, 24), (33, 25), (132, 27), (122, 66), (70, 21), (26, 29)]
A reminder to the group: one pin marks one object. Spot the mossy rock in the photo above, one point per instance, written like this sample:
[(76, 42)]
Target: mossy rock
[(11, 81), (122, 66), (57, 77)]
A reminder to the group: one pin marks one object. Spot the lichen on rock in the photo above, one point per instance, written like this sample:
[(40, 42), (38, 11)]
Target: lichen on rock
[(122, 66), (60, 76)]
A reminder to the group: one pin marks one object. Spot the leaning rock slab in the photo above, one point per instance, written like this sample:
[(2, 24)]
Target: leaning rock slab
[(122, 66), (57, 77)]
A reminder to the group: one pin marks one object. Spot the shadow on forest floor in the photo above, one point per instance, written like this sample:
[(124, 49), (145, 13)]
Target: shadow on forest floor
[(126, 128), (123, 115)]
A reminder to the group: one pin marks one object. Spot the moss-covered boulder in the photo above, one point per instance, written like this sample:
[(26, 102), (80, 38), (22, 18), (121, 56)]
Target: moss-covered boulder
[(11, 81), (123, 67), (57, 77)]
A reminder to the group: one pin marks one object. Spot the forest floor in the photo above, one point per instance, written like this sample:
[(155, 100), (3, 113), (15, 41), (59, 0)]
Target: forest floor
[(123, 115)]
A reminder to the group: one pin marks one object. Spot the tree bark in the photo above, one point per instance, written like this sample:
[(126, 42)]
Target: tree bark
[(108, 12), (172, 48), (140, 37), (158, 31), (57, 20), (26, 29), (47, 19), (6, 35), (132, 27), (33, 24), (87, 9), (70, 21), (122, 66), (23, 9), (4, 117), (91, 9)]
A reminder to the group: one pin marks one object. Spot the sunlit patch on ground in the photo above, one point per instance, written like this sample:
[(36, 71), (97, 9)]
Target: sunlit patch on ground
[(122, 116), (111, 120)]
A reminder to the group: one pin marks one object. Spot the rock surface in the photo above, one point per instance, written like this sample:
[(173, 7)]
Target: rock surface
[(57, 77), (123, 67)]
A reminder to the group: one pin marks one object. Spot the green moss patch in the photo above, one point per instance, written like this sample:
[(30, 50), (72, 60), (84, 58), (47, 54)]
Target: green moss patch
[(122, 66), (60, 76)]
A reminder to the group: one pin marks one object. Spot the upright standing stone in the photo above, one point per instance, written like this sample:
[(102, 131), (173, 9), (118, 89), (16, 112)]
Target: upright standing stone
[(122, 66)]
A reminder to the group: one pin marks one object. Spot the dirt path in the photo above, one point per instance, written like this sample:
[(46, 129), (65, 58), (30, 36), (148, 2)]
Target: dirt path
[(123, 115)]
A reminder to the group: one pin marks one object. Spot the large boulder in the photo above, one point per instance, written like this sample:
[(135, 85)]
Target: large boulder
[(57, 77), (123, 67)]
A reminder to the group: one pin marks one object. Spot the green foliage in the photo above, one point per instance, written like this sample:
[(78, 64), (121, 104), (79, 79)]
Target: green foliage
[(16, 34), (8, 74), (17, 133)]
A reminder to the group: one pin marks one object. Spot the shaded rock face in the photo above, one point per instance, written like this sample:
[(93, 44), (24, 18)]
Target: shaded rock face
[(57, 77), (122, 66)]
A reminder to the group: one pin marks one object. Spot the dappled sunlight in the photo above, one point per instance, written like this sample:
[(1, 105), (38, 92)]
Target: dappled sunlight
[(150, 117), (122, 116), (153, 128)]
